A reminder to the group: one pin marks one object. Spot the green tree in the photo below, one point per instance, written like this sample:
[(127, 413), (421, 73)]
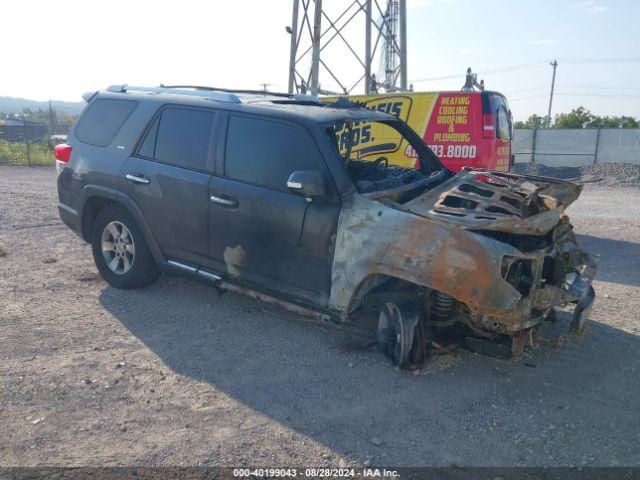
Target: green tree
[(577, 118), (613, 122), (534, 121)]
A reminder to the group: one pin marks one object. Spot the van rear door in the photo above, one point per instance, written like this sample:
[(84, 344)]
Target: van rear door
[(503, 132)]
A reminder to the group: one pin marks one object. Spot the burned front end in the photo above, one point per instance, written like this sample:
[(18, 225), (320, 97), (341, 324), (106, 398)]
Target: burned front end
[(487, 253), (546, 269)]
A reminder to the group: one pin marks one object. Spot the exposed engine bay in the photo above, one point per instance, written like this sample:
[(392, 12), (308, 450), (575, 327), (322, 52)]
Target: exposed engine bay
[(372, 176), (366, 163)]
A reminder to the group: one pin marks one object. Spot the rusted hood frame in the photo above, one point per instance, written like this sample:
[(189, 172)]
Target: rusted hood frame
[(486, 200)]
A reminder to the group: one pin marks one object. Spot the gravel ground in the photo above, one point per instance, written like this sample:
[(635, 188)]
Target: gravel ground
[(603, 174), (176, 375)]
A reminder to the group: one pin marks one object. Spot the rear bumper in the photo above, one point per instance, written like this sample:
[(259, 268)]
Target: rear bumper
[(71, 218)]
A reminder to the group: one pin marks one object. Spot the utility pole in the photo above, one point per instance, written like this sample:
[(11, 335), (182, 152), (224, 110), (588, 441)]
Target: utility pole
[(26, 139), (554, 64), (264, 86), (50, 119)]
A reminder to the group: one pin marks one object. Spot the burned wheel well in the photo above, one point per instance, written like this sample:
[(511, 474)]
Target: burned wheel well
[(377, 288), (91, 209)]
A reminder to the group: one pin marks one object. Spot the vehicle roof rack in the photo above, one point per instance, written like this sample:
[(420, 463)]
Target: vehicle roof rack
[(221, 96), (294, 97)]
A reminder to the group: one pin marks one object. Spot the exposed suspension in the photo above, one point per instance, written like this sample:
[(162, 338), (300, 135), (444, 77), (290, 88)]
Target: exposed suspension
[(442, 305)]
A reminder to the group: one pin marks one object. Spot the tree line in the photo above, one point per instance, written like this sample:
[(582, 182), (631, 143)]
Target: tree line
[(579, 118), (58, 122)]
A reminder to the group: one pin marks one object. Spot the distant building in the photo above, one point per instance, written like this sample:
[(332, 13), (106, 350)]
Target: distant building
[(15, 130)]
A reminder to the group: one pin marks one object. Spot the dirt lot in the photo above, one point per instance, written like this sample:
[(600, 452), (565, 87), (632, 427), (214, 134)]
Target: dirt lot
[(177, 375)]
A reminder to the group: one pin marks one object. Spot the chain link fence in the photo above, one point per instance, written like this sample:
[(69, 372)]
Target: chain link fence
[(577, 147)]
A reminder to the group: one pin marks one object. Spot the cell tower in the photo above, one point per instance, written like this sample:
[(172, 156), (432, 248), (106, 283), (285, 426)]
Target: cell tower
[(390, 56), (312, 29)]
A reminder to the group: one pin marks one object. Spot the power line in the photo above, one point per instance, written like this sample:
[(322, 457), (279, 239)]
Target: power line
[(582, 61), (484, 72), (532, 89), (572, 94), (615, 95), (511, 100), (599, 87), (523, 66)]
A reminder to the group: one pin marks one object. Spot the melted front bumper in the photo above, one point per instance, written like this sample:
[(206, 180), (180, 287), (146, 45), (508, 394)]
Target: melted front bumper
[(562, 275)]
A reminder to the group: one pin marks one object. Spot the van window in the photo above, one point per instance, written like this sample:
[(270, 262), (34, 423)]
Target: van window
[(266, 153), (504, 132), (183, 137), (102, 120)]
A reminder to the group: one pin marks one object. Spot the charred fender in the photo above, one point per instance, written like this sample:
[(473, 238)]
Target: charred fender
[(376, 239)]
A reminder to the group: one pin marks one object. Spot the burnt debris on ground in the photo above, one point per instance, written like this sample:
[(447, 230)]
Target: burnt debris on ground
[(606, 174)]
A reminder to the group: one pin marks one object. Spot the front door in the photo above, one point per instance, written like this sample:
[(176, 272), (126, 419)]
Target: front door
[(262, 234), (168, 178)]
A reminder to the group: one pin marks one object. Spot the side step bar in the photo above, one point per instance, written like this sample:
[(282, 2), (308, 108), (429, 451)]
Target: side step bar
[(197, 271)]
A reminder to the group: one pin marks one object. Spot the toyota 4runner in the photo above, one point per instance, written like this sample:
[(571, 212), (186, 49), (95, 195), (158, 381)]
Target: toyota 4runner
[(267, 194)]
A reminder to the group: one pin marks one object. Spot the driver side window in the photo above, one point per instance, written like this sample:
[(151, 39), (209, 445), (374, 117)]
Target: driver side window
[(265, 152)]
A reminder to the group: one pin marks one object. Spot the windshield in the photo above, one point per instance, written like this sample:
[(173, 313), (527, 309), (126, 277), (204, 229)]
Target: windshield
[(382, 155)]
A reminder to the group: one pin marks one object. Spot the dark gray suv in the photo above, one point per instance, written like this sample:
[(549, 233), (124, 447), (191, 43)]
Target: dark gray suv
[(278, 196)]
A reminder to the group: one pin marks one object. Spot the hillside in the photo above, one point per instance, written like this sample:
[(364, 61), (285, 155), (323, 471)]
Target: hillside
[(17, 105)]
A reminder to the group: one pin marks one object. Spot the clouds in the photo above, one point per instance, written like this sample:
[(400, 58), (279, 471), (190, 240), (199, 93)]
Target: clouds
[(468, 51), (591, 6)]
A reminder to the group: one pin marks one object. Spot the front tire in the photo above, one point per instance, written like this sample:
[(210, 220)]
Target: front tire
[(120, 251), (400, 334)]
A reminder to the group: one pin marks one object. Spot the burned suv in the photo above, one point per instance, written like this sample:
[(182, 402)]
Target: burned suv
[(295, 203)]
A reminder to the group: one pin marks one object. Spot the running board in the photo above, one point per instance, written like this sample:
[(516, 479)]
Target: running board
[(195, 270)]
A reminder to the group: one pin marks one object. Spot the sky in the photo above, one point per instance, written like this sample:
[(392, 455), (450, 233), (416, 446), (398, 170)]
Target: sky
[(63, 48)]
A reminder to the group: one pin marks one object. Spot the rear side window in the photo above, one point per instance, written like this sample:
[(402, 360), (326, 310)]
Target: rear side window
[(266, 153), (102, 120), (148, 146), (181, 137)]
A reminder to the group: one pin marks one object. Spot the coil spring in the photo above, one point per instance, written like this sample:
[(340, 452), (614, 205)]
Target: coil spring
[(442, 305)]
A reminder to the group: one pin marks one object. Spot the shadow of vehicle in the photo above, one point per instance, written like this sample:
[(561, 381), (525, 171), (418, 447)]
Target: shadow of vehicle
[(311, 379), (616, 255)]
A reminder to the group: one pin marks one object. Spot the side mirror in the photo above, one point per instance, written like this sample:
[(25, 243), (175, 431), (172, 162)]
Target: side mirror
[(306, 183)]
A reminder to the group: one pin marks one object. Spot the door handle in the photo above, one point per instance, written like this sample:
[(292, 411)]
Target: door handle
[(137, 178), (224, 200)]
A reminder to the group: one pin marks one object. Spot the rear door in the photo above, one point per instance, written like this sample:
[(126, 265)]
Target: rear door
[(261, 233), (168, 178), (504, 133)]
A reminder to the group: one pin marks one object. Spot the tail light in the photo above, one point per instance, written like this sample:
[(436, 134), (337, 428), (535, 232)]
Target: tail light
[(62, 152), (488, 126)]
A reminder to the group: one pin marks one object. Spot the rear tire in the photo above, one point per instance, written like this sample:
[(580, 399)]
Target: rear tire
[(120, 251)]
